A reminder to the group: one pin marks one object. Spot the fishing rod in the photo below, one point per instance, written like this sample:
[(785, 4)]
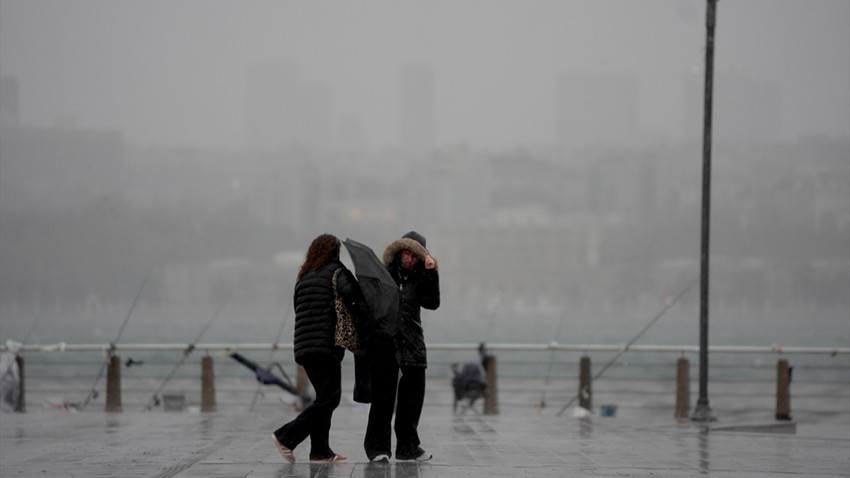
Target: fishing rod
[(482, 347), (29, 331), (15, 350), (109, 353), (493, 319), (257, 392), (154, 401), (549, 368), (667, 304)]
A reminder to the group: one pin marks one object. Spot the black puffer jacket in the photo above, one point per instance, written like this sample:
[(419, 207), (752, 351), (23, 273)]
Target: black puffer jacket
[(419, 287), (315, 317)]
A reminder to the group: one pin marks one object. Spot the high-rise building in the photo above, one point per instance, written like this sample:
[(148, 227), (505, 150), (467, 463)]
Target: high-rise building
[(416, 114), (270, 103), (597, 109), (59, 168), (315, 116), (743, 109), (9, 109), (350, 137), (281, 110)]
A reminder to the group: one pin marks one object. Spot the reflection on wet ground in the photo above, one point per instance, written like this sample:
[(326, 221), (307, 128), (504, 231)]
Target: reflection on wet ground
[(49, 442), (642, 439)]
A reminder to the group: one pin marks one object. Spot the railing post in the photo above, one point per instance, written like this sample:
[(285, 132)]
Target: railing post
[(21, 405), (783, 393), (207, 385), (301, 380), (491, 400), (683, 388), (585, 387), (113, 384)]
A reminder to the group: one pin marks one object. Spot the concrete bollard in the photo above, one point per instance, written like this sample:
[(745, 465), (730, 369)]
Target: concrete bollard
[(683, 389), (207, 385), (302, 383), (585, 387), (113, 384), (491, 400), (21, 405), (783, 393)]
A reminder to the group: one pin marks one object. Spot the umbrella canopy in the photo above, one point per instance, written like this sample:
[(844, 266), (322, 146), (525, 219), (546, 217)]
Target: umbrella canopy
[(378, 286), (265, 376)]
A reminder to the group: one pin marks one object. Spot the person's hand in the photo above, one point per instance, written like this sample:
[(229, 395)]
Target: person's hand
[(429, 262)]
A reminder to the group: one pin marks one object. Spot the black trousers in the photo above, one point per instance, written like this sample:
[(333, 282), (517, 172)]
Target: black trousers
[(324, 372), (411, 396)]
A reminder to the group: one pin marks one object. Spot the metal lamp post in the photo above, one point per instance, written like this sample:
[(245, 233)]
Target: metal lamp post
[(702, 412)]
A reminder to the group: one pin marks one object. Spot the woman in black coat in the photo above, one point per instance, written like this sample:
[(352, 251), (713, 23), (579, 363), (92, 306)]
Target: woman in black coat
[(415, 273), (315, 350)]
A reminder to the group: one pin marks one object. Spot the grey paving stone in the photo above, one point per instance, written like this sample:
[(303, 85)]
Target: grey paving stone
[(234, 442)]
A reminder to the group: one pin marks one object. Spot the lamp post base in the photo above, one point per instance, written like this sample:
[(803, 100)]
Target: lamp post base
[(702, 413)]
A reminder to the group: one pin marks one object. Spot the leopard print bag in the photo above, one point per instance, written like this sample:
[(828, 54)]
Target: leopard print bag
[(346, 332)]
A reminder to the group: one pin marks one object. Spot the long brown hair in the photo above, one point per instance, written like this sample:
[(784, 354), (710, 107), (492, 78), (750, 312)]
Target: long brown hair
[(323, 249)]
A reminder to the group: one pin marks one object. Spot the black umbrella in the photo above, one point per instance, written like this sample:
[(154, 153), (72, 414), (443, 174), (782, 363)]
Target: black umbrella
[(266, 377), (378, 286)]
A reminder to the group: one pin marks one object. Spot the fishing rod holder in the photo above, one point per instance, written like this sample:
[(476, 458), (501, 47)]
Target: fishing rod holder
[(113, 383)]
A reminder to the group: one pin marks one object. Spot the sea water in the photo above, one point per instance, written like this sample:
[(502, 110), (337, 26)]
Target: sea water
[(267, 323), (527, 380)]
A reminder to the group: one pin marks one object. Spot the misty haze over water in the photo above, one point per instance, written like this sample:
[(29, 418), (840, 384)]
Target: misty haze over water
[(550, 152)]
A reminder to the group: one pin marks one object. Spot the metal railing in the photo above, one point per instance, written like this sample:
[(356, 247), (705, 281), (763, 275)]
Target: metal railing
[(463, 346), (485, 350)]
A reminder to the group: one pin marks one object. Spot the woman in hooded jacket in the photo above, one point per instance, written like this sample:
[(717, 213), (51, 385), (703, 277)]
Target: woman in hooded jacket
[(315, 349), (415, 273)]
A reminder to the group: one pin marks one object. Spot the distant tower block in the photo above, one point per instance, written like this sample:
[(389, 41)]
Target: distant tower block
[(416, 117)]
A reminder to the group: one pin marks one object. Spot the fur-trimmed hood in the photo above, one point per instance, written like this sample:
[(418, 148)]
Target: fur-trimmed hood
[(418, 288), (412, 241)]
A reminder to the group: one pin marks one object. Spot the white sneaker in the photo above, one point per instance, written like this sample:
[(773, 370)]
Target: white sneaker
[(381, 459)]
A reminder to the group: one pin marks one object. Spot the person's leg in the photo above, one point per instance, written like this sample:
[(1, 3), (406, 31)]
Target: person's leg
[(411, 396), (378, 439), (314, 421), (297, 430), (325, 376)]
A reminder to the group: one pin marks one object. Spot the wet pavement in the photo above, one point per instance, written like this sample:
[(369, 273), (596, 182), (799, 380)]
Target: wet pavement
[(236, 442)]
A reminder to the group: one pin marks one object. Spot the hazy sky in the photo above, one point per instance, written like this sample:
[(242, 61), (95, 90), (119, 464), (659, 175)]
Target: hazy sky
[(173, 72)]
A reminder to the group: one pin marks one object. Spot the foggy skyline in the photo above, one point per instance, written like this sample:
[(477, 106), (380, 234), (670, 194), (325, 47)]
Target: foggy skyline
[(174, 73)]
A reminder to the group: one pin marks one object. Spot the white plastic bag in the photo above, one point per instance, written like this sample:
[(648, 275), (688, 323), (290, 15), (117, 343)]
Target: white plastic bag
[(10, 381), (10, 377)]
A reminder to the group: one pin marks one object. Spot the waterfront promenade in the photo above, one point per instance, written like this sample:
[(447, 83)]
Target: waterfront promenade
[(642, 440)]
